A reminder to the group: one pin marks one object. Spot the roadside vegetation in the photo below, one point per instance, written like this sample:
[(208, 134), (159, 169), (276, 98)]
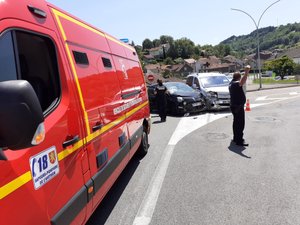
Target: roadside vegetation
[(264, 80), (271, 39)]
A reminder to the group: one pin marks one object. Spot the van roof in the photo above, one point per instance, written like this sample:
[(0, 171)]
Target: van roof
[(206, 74)]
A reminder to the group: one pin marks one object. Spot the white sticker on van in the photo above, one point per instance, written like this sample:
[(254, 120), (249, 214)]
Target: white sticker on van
[(123, 68), (127, 106), (44, 166)]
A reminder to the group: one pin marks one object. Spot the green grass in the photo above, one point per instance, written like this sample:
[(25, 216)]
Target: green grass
[(272, 81)]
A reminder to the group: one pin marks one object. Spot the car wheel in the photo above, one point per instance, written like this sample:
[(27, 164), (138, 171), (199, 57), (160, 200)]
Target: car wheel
[(173, 109), (143, 148)]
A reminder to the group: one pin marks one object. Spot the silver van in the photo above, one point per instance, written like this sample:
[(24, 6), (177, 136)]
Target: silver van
[(214, 88)]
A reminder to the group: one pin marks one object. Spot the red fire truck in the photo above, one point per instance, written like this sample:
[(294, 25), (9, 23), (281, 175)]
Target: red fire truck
[(73, 111)]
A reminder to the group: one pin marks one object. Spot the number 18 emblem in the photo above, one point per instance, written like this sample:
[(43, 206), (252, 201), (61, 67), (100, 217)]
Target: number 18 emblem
[(44, 166)]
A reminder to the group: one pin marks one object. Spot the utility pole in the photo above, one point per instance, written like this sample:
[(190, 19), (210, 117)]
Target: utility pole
[(257, 36)]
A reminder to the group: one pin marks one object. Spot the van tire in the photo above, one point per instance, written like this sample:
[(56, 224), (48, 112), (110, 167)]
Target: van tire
[(143, 148)]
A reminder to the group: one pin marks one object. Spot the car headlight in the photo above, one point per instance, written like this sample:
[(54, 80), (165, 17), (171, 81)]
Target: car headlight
[(212, 94), (179, 99)]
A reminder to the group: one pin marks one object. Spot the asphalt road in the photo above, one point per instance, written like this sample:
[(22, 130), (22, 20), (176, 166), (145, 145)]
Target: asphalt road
[(194, 175)]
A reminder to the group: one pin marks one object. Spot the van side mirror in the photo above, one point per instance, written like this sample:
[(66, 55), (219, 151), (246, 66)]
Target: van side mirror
[(21, 115)]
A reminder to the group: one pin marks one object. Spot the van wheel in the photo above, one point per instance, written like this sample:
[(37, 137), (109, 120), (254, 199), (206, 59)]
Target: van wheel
[(143, 148)]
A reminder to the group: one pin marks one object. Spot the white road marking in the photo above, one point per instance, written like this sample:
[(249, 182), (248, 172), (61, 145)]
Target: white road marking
[(189, 124), (148, 205), (256, 105), (264, 98), (261, 98), (185, 126), (281, 98)]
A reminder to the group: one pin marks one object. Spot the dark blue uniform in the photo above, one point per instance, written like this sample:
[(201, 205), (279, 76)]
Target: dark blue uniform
[(237, 102), (161, 101)]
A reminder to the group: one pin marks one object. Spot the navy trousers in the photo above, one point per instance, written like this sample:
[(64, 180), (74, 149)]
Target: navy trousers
[(238, 124)]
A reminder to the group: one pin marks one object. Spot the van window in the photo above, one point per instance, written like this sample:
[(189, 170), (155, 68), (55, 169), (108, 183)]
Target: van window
[(31, 57), (8, 65), (81, 58), (196, 82), (106, 62), (189, 81)]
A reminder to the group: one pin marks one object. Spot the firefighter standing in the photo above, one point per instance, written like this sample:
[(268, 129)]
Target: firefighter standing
[(161, 100), (237, 102)]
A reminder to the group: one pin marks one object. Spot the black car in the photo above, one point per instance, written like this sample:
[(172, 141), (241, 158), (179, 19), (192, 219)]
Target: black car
[(181, 99)]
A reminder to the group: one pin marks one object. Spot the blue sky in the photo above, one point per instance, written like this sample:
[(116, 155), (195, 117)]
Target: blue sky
[(204, 22)]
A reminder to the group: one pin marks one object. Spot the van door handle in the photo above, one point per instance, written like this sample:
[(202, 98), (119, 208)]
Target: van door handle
[(98, 126), (71, 141), (131, 94)]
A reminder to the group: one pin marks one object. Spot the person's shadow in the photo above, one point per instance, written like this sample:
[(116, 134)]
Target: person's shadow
[(237, 149), (158, 121)]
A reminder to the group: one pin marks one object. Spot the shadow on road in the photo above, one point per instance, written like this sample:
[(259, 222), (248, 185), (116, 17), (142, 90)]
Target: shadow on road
[(108, 203), (158, 121), (238, 150)]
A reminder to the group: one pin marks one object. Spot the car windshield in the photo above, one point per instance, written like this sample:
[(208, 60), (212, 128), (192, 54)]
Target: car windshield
[(177, 86), (214, 81)]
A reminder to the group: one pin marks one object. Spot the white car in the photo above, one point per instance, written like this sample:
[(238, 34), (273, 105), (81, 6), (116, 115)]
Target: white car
[(213, 86)]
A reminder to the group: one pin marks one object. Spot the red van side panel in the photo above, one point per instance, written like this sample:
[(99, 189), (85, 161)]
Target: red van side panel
[(76, 31), (103, 101)]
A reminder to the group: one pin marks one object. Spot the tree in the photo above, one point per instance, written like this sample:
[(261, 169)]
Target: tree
[(166, 74), (297, 69), (222, 50), (197, 50), (164, 39), (147, 44), (139, 51), (282, 66), (207, 50), (168, 61), (132, 43), (156, 42), (179, 60), (184, 48)]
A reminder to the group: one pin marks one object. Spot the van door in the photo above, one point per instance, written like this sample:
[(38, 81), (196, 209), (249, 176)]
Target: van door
[(108, 143), (107, 140), (130, 94), (43, 183), (136, 115)]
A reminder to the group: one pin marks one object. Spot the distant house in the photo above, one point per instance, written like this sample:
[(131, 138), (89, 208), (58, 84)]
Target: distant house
[(159, 52), (209, 60), (231, 60), (207, 63), (202, 64), (214, 64), (222, 68), (155, 52), (153, 69), (192, 63), (264, 56), (179, 70), (291, 53), (148, 58)]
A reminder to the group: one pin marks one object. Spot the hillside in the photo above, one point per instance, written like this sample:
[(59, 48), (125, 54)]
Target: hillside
[(271, 38)]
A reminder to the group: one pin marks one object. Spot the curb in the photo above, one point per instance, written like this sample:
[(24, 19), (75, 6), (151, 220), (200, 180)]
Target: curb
[(268, 88)]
